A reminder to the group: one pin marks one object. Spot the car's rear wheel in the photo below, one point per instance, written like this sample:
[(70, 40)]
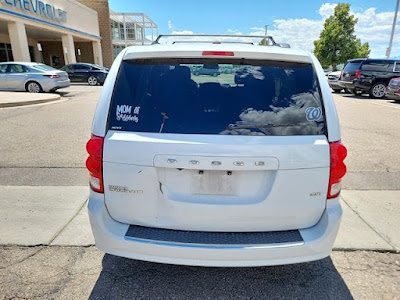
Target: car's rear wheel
[(337, 90), (93, 81), (33, 87), (378, 90)]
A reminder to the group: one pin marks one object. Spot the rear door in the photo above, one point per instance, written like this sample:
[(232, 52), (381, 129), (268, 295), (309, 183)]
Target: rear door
[(3, 69), (242, 151), (16, 76), (81, 72)]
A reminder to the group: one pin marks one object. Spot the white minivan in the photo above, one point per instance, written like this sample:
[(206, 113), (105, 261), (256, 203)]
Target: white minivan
[(242, 168)]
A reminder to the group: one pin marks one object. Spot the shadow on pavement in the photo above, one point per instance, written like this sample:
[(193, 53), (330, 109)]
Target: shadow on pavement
[(123, 278)]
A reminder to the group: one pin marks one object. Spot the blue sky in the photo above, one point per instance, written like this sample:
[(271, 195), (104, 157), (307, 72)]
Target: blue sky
[(295, 22)]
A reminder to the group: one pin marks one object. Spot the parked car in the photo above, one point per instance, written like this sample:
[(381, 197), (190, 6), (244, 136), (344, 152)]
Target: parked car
[(393, 89), (31, 77), (211, 70), (370, 76), (333, 80), (235, 170), (83, 72)]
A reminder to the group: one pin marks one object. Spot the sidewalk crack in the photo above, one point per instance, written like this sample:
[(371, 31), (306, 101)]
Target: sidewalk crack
[(373, 229), (69, 222)]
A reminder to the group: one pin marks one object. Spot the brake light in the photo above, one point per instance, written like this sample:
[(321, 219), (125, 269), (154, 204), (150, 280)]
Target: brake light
[(341, 74), (94, 163), (338, 168), (52, 76), (358, 74), (218, 53)]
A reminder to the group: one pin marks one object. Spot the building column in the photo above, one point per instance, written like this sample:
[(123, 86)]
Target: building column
[(98, 57), (68, 49), (19, 41)]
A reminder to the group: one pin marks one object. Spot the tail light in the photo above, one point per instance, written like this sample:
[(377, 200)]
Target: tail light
[(341, 74), (52, 76), (94, 163), (358, 74), (338, 168), (218, 53)]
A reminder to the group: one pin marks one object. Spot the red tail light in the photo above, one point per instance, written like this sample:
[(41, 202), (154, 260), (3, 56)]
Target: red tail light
[(52, 76), (358, 74), (94, 163), (341, 74), (218, 53), (338, 168)]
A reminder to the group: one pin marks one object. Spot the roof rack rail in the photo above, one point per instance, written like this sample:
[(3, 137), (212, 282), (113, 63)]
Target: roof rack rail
[(215, 40)]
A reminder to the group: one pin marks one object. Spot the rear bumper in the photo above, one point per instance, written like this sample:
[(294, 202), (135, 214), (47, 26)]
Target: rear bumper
[(318, 242), (55, 85), (393, 96), (334, 84)]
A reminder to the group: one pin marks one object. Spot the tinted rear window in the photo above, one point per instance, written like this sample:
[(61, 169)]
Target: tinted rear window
[(208, 96), (352, 66)]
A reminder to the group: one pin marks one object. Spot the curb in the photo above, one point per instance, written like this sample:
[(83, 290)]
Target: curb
[(29, 102)]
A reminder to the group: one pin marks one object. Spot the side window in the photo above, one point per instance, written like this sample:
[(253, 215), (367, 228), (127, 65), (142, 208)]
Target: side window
[(16, 69), (396, 66), (82, 67), (375, 65), (3, 68)]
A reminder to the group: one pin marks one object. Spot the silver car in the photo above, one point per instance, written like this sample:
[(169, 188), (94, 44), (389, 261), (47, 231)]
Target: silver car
[(31, 77)]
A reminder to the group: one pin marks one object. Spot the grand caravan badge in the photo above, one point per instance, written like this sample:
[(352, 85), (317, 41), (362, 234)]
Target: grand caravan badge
[(122, 189)]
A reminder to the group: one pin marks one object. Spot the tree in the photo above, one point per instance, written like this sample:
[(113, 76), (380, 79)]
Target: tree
[(337, 42)]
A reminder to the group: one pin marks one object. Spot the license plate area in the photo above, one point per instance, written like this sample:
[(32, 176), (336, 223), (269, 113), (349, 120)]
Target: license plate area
[(215, 186)]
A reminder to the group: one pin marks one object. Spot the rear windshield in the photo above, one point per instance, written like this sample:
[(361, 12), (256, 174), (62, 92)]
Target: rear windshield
[(208, 96), (43, 67), (352, 66)]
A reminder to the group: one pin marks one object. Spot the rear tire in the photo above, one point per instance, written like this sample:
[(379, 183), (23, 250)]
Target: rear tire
[(378, 90), (33, 87), (337, 90), (92, 80)]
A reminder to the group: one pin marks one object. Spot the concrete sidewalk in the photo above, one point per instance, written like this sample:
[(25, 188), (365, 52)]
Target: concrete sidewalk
[(57, 215), (13, 99)]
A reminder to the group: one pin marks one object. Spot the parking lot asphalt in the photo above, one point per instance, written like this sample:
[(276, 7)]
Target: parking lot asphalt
[(47, 243)]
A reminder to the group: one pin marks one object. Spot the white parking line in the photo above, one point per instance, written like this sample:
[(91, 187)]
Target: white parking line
[(381, 104)]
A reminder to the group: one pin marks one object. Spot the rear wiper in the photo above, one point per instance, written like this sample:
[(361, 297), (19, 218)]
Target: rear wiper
[(256, 126)]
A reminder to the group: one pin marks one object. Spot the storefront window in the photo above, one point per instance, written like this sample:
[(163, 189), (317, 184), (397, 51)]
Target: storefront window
[(5, 53)]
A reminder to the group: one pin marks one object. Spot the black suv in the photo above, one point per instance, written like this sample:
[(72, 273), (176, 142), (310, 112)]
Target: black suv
[(364, 75), (84, 72)]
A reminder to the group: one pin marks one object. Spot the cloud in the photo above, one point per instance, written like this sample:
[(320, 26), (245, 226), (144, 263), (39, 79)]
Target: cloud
[(372, 27), (327, 9), (182, 32)]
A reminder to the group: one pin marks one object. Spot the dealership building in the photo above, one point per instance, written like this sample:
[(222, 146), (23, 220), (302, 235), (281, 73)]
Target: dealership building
[(59, 32)]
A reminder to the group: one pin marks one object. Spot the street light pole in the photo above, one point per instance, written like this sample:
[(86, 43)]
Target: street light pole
[(266, 29), (389, 49)]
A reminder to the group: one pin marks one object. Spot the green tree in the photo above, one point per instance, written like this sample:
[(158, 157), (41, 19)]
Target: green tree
[(337, 42)]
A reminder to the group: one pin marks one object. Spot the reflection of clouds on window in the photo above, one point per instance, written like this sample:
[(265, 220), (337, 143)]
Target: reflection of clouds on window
[(242, 132), (293, 114), (255, 72)]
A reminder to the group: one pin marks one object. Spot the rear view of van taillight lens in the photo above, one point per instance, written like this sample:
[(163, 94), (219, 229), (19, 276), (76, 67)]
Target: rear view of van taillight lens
[(94, 163), (338, 168), (358, 74)]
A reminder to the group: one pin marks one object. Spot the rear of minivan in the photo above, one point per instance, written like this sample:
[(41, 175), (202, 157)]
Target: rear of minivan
[(240, 169)]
